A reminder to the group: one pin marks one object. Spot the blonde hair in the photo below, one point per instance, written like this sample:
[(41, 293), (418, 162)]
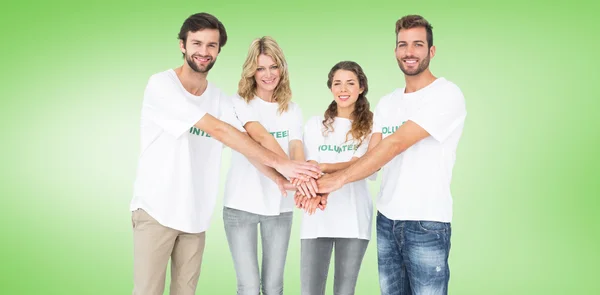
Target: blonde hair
[(247, 85)]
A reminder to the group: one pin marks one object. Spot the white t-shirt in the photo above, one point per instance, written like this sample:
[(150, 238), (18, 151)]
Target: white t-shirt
[(247, 189), (178, 169), (416, 183), (349, 210)]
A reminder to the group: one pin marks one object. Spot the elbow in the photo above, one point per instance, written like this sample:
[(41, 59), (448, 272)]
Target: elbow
[(219, 130), (398, 148), (262, 140)]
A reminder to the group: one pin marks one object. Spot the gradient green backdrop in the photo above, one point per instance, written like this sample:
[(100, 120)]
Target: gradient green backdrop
[(525, 190)]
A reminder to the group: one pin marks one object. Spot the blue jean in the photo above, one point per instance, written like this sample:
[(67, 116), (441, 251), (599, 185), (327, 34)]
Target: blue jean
[(413, 256), (241, 229)]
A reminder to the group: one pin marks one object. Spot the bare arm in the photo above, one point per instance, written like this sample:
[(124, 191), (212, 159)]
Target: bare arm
[(334, 167), (407, 135), (283, 184), (243, 144), (297, 151), (263, 137), (307, 187), (259, 134)]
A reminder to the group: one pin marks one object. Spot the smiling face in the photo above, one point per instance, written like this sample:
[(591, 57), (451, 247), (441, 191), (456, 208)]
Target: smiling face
[(412, 51), (267, 74), (201, 49), (345, 88)]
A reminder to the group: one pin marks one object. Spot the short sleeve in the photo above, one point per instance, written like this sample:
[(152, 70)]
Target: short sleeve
[(296, 123), (378, 120), (311, 138), (362, 149), (243, 111), (169, 108), (442, 114), (228, 114)]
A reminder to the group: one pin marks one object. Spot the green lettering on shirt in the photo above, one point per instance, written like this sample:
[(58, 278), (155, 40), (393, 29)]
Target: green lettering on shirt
[(337, 149), (391, 129), (280, 134), (199, 132)]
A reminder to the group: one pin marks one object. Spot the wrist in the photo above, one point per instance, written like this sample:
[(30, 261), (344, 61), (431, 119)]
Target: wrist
[(343, 176), (276, 162), (323, 167)]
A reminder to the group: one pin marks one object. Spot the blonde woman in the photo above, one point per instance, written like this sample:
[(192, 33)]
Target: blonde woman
[(252, 200)]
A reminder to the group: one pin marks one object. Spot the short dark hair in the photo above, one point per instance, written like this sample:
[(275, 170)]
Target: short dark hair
[(415, 21), (201, 21)]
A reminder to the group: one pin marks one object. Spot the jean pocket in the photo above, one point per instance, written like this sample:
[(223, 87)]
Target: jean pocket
[(433, 226)]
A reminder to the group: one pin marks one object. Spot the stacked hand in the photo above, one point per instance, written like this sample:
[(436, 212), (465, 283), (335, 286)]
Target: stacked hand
[(310, 205), (311, 185), (313, 193)]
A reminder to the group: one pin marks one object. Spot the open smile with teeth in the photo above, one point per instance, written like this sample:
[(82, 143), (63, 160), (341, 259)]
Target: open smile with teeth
[(268, 81), (410, 61), (202, 59), (343, 97)]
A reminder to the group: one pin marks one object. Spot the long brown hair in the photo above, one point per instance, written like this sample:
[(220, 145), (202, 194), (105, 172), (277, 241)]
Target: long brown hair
[(362, 117)]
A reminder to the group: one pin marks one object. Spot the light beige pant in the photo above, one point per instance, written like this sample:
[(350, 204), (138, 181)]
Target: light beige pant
[(153, 245)]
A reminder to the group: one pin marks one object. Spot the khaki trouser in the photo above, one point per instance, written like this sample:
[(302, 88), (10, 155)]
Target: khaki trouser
[(153, 245)]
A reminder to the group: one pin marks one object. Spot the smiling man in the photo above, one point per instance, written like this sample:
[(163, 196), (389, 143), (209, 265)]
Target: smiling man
[(416, 132), (185, 122)]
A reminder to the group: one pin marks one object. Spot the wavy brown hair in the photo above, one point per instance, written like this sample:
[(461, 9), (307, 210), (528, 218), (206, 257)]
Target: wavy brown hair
[(247, 85), (362, 117)]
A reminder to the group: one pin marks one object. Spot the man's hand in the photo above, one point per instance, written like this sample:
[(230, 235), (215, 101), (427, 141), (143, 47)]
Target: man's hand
[(297, 169), (330, 182)]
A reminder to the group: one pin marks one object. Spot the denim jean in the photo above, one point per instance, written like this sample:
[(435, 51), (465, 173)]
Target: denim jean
[(413, 256), (315, 258), (241, 229)]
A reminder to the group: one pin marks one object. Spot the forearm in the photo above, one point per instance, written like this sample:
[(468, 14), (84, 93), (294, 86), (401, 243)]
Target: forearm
[(297, 151), (259, 134), (334, 167), (272, 174), (241, 143), (373, 160)]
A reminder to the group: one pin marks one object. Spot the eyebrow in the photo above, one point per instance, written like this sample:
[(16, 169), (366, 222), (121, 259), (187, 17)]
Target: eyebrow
[(198, 41), (346, 80), (416, 41)]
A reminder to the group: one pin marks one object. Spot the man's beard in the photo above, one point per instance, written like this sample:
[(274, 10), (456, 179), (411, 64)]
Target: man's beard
[(196, 68), (423, 65)]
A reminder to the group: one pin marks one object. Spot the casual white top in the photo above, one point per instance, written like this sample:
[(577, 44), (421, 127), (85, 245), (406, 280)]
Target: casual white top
[(178, 170), (349, 210), (416, 183), (247, 189)]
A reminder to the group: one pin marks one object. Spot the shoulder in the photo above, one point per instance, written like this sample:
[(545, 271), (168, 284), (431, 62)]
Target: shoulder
[(162, 78), (160, 86), (448, 91), (293, 107), (449, 87), (315, 120), (294, 110), (314, 124), (388, 98)]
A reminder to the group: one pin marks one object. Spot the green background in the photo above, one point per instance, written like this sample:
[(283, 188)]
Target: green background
[(525, 190)]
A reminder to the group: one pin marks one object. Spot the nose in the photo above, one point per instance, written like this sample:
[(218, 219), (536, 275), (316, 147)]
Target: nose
[(202, 50), (345, 87), (410, 50)]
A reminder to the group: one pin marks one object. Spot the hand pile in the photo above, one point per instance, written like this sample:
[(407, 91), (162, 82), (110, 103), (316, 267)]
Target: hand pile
[(307, 194)]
